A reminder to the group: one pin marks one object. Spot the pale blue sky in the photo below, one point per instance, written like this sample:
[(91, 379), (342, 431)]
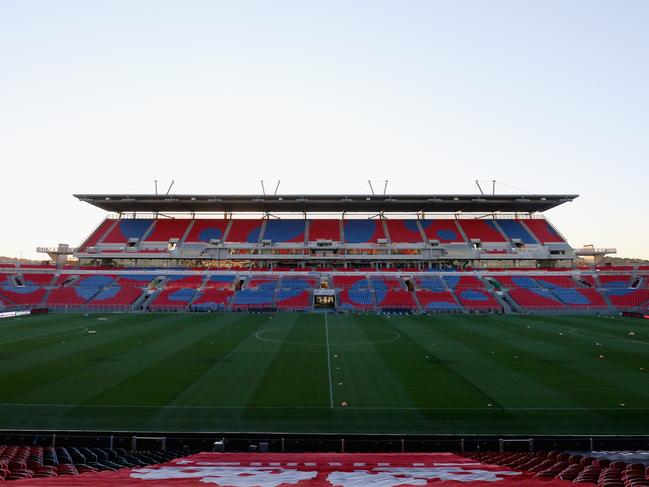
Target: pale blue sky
[(548, 96)]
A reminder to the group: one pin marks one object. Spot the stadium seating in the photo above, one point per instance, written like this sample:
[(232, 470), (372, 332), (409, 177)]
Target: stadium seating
[(444, 231), (437, 300), (395, 299), (363, 231), (293, 299), (173, 299), (324, 230), (244, 231), (166, 229), (220, 282), (627, 298), (483, 230), (95, 237), (180, 281), (477, 300), (126, 229), (432, 283), (287, 231), (116, 297), (37, 279), (135, 280), (536, 298), (579, 298), (404, 231), (70, 296), (25, 462), (463, 282), (543, 231), (514, 229), (212, 299), (615, 281), (359, 299), (204, 230), (23, 296)]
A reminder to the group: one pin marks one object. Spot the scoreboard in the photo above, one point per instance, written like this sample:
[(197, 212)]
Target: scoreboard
[(325, 301)]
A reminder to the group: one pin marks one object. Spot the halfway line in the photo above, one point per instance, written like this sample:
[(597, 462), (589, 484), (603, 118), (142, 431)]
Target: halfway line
[(331, 391)]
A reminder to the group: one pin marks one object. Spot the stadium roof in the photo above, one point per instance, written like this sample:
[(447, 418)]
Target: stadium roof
[(434, 203)]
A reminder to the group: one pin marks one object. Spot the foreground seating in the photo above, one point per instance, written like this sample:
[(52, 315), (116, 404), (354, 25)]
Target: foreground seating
[(24, 462)]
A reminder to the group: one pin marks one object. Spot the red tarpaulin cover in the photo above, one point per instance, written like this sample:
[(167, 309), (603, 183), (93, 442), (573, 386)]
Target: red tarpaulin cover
[(294, 469)]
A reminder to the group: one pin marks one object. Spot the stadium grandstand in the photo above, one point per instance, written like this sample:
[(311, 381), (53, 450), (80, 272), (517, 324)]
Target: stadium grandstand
[(370, 328), (419, 254)]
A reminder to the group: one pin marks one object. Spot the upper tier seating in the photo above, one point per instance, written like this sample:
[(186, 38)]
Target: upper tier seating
[(244, 231), (363, 231), (444, 231), (166, 229), (204, 230), (404, 231), (126, 229), (287, 231), (94, 238), (483, 230), (514, 229), (324, 230), (543, 231)]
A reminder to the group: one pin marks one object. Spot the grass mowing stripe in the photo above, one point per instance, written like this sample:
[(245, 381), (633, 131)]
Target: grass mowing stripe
[(331, 390)]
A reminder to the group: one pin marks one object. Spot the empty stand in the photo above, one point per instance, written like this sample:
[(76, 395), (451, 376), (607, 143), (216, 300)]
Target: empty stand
[(444, 231), (173, 298), (204, 230), (324, 230), (95, 237), (363, 231), (167, 229), (286, 231), (212, 299), (127, 229), (244, 231), (437, 300), (515, 230), (483, 230), (404, 231), (543, 231)]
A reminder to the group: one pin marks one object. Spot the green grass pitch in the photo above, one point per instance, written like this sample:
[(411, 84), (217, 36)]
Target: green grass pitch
[(455, 374)]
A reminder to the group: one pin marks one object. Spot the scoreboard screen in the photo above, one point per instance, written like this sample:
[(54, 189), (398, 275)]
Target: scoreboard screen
[(325, 301)]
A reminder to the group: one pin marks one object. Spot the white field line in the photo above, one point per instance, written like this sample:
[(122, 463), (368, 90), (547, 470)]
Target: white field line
[(147, 406), (331, 391)]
